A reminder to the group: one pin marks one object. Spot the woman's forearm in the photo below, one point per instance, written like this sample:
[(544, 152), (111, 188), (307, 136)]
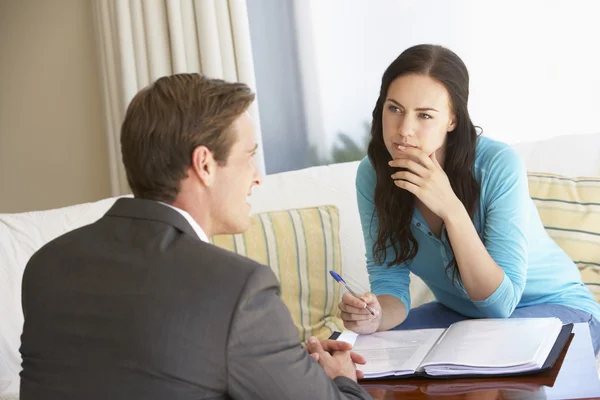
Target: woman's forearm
[(393, 312), (480, 274)]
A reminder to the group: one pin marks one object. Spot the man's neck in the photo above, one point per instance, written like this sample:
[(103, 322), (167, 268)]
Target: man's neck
[(200, 217)]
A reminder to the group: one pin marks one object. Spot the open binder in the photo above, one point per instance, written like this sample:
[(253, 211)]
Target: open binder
[(466, 349)]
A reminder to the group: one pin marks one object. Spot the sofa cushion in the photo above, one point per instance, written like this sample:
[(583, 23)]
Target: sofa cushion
[(570, 211), (300, 246)]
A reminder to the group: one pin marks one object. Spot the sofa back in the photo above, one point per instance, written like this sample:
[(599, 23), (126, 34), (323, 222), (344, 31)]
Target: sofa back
[(572, 155)]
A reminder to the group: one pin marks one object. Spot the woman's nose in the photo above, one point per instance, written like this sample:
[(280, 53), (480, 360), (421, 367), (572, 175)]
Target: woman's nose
[(406, 127)]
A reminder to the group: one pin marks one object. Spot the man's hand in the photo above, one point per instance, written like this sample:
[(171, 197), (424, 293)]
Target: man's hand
[(332, 346), (336, 358)]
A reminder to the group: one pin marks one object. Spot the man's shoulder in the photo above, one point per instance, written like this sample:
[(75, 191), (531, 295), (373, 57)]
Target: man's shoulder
[(229, 262), (187, 254), (61, 243)]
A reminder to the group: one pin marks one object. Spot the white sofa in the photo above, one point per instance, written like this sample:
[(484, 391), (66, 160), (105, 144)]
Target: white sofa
[(22, 234)]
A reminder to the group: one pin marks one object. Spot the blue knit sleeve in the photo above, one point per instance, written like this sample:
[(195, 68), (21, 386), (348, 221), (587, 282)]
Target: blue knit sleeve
[(506, 195)]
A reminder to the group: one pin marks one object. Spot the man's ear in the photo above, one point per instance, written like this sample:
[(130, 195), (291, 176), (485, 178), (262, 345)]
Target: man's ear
[(204, 165)]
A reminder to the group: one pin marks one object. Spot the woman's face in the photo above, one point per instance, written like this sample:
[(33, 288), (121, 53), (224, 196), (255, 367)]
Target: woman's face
[(417, 113)]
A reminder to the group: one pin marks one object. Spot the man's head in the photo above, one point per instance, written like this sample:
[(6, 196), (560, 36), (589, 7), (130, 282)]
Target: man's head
[(188, 140)]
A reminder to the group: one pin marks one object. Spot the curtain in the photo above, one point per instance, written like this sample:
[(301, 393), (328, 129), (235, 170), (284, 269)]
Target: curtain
[(141, 40)]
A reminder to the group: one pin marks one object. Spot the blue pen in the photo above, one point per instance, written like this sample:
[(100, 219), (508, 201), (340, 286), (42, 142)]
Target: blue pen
[(341, 280)]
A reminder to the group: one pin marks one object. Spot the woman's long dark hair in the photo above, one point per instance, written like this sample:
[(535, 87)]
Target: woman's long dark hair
[(395, 206)]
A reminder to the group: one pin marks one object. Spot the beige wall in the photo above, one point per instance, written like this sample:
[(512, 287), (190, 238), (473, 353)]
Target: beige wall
[(53, 149)]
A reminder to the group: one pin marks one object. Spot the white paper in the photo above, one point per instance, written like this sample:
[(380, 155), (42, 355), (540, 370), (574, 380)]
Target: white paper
[(493, 346), (393, 352)]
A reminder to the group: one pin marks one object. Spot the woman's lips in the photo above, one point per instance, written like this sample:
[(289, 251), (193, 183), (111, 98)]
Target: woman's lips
[(403, 145)]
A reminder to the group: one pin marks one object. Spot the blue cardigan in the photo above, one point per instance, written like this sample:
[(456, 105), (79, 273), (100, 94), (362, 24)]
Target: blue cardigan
[(536, 269)]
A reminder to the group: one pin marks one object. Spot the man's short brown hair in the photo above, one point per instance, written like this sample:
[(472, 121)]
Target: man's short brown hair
[(166, 121)]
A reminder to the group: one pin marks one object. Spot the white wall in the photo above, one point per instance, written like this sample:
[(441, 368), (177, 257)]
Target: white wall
[(53, 150), (533, 64)]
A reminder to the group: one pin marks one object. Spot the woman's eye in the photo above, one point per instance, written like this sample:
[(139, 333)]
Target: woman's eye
[(393, 108), (425, 116)]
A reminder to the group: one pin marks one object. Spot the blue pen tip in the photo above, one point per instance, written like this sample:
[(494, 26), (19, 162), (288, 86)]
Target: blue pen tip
[(336, 276)]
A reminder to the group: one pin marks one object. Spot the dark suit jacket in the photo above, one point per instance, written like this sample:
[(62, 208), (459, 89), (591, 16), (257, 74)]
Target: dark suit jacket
[(136, 306)]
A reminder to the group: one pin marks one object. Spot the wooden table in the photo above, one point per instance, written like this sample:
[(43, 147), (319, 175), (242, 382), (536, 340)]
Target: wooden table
[(574, 376)]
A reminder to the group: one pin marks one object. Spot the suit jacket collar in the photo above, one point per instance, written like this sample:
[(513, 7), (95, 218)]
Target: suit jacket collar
[(150, 210)]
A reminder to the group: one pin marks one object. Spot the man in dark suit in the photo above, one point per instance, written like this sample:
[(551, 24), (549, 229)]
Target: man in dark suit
[(139, 305)]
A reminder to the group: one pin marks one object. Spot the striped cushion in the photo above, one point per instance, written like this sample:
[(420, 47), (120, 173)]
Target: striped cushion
[(300, 246), (570, 211)]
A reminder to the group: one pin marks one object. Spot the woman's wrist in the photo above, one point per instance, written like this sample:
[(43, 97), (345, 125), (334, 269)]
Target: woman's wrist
[(454, 213), (392, 310)]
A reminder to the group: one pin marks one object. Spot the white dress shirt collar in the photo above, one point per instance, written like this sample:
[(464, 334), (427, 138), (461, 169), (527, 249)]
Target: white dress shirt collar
[(191, 221)]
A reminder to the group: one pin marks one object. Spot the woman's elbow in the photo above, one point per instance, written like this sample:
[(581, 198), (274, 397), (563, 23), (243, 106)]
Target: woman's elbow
[(500, 311)]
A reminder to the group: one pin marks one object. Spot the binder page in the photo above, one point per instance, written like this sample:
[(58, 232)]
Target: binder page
[(393, 352), (495, 344)]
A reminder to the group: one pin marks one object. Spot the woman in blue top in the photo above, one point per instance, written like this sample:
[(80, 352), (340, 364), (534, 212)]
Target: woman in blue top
[(454, 208)]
